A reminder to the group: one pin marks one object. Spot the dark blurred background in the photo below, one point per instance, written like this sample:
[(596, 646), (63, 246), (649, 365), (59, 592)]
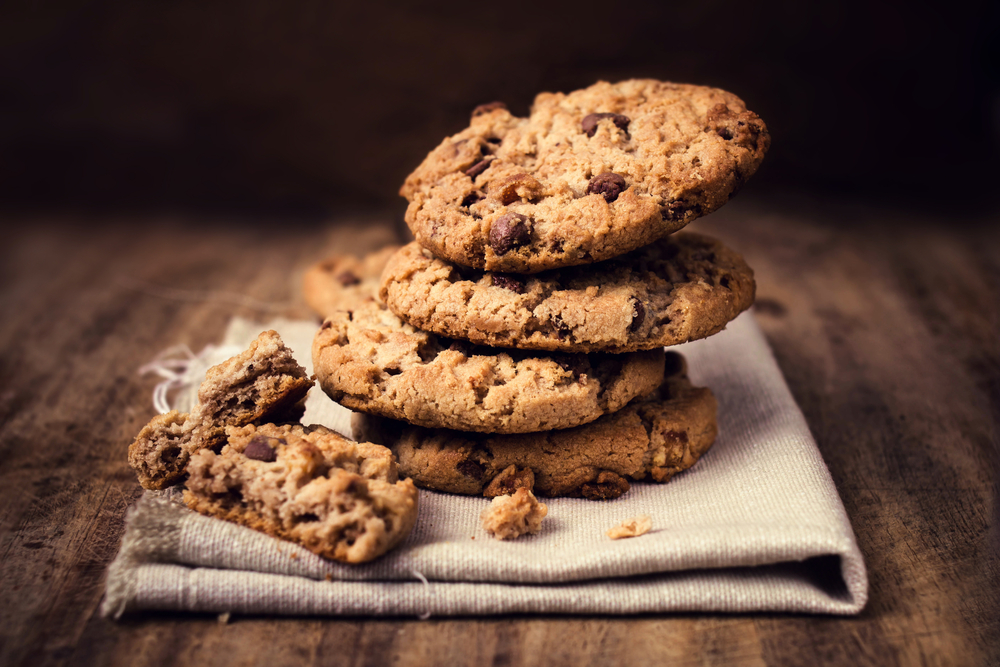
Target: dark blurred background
[(309, 108)]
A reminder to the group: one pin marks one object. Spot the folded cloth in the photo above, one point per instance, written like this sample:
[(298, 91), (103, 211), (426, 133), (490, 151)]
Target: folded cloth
[(756, 525)]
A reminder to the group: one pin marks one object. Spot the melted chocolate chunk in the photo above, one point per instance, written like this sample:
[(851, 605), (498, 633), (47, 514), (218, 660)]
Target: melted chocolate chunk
[(258, 449), (509, 231), (488, 107), (508, 282), (608, 184), (479, 167), (589, 123)]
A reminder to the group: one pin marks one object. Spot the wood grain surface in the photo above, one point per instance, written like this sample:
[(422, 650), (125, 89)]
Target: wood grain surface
[(884, 322)]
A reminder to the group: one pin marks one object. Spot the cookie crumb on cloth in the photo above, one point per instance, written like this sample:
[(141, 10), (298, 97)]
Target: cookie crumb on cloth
[(633, 527), (511, 516)]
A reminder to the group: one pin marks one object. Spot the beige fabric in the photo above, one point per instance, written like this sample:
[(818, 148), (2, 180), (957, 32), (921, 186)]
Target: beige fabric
[(756, 525)]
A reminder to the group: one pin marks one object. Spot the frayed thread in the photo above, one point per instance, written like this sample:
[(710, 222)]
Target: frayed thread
[(181, 368), (427, 614)]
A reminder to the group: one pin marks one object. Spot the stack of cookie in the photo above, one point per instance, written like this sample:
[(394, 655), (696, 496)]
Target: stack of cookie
[(519, 341)]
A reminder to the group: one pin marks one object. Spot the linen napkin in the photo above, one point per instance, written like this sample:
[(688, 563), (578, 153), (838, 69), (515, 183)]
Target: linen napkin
[(756, 525)]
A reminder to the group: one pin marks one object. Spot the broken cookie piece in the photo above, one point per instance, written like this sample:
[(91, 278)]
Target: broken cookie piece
[(262, 383), (509, 517), (338, 498), (633, 527)]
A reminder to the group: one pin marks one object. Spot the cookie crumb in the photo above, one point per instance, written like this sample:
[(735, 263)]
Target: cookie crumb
[(633, 527), (509, 517)]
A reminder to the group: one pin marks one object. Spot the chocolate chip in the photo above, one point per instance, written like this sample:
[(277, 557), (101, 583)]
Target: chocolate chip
[(638, 315), (508, 282), (608, 184), (479, 167), (508, 231), (347, 278), (258, 449), (486, 108), (589, 123), (326, 324), (470, 469), (560, 328), (680, 437), (472, 198)]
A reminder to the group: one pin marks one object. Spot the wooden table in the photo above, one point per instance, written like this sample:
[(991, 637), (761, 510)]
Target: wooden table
[(885, 324)]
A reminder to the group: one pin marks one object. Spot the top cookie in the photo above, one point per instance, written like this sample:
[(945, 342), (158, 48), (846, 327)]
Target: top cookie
[(588, 176)]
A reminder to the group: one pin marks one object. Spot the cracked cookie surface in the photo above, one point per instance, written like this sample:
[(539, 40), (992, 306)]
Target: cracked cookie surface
[(338, 498), (367, 359), (652, 438), (263, 382), (681, 288), (587, 176)]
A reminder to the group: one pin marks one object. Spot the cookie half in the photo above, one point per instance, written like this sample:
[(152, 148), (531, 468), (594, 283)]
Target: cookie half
[(340, 499), (367, 359), (587, 176), (262, 383), (681, 288), (652, 438)]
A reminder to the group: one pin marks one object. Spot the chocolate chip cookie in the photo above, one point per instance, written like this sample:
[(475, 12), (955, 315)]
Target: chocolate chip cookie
[(681, 288), (652, 438), (367, 359), (345, 279), (262, 383), (340, 499), (587, 176)]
